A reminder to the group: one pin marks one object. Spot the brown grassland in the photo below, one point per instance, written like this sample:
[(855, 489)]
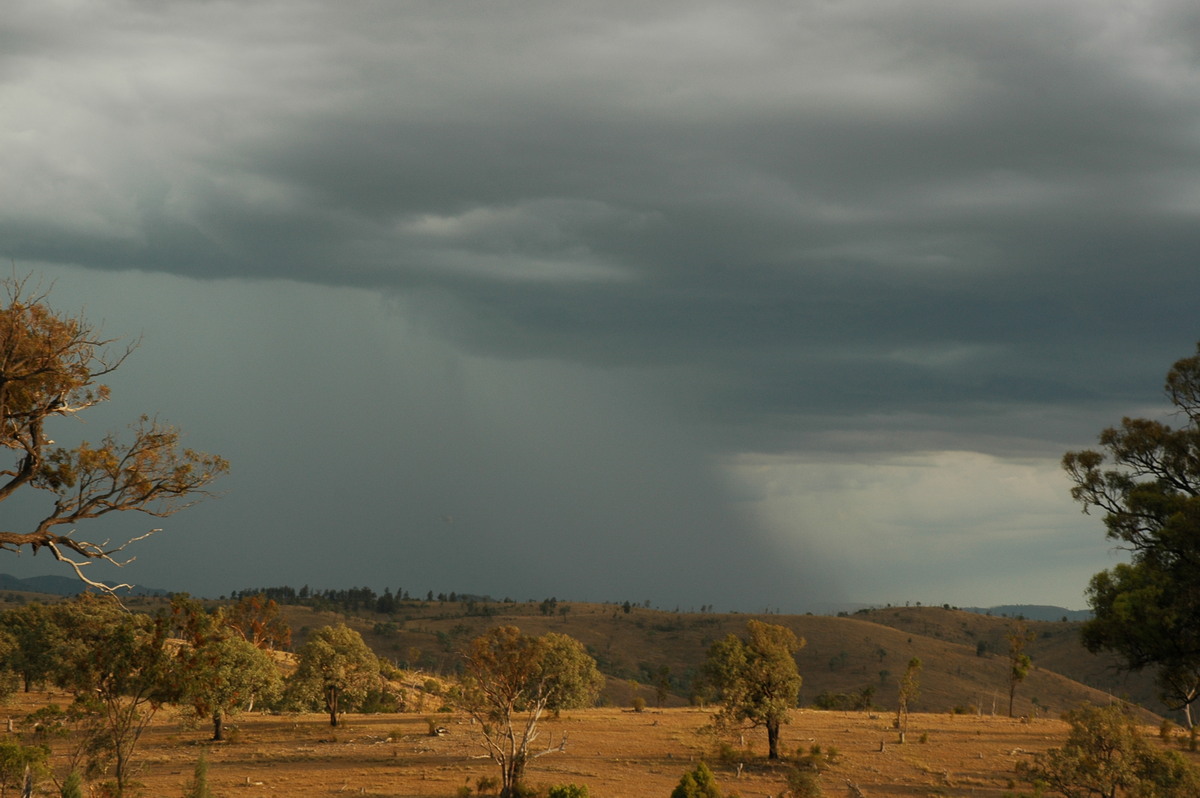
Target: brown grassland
[(617, 753), (960, 741)]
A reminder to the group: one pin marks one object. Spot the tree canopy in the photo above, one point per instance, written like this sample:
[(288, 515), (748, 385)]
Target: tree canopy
[(757, 677), (511, 679), (50, 367), (1105, 755), (336, 665), (1146, 481)]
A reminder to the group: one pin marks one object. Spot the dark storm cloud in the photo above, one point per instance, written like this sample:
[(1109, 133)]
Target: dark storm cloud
[(836, 228)]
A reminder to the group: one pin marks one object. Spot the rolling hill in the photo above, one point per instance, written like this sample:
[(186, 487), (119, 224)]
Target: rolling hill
[(963, 653)]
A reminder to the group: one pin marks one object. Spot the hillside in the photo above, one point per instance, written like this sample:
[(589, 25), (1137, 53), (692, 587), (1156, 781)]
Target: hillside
[(963, 652), (841, 655)]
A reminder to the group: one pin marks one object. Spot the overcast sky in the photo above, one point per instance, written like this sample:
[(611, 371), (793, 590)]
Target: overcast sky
[(750, 304)]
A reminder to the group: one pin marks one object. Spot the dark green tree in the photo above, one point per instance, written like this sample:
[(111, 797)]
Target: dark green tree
[(50, 367), (1146, 481), (36, 641), (121, 667), (221, 672), (511, 680), (757, 678)]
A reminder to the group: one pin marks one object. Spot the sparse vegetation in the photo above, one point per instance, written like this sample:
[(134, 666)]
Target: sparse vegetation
[(393, 743), (910, 686), (1019, 662), (1105, 755)]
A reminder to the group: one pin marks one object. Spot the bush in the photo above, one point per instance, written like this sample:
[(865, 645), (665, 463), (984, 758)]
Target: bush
[(1105, 754), (728, 755), (72, 786), (815, 761), (198, 786), (639, 703), (697, 784), (803, 783), (568, 791)]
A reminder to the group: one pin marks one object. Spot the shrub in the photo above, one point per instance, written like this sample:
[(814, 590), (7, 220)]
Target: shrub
[(729, 755), (803, 783), (697, 784), (815, 761), (198, 786), (568, 791), (1105, 754), (639, 703), (72, 786)]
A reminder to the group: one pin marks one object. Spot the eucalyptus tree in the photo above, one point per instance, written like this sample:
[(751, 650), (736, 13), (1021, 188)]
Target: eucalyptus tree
[(335, 667), (1145, 480), (51, 365), (511, 680), (757, 678), (121, 668)]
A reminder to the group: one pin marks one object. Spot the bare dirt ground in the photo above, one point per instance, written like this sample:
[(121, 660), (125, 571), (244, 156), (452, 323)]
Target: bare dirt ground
[(616, 753)]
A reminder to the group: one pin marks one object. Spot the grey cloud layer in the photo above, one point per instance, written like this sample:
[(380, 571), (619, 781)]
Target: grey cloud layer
[(816, 226)]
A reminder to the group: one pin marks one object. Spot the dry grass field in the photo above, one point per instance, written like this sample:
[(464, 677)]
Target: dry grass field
[(617, 753)]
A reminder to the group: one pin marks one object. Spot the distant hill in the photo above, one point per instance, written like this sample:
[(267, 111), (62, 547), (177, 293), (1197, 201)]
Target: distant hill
[(1033, 612), (54, 585)]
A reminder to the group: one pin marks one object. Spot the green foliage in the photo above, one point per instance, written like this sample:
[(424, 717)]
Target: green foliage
[(757, 678), (511, 679), (336, 667), (16, 760), (222, 672), (72, 786), (568, 791), (803, 783), (1106, 755), (36, 643), (1146, 482), (910, 689), (198, 786), (863, 699), (1019, 662), (699, 783), (120, 668), (77, 733)]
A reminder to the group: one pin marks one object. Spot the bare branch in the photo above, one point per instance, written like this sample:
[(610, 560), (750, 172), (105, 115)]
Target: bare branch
[(50, 364)]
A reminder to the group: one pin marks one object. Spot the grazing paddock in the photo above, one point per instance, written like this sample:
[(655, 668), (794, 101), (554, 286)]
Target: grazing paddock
[(616, 753)]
